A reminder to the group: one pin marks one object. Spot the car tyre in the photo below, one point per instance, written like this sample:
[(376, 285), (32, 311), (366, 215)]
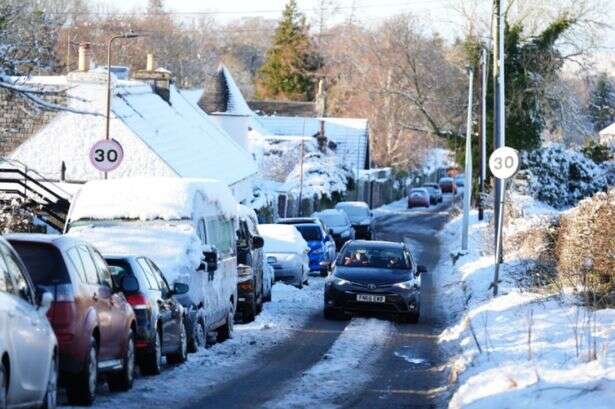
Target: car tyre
[(267, 297), (226, 331), (50, 401), (3, 386), (198, 337), (81, 388), (151, 364), (123, 380), (249, 312), (181, 355)]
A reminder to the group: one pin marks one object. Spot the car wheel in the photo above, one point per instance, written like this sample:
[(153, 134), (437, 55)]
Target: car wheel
[(181, 355), (122, 381), (50, 400), (226, 331), (3, 386), (81, 388), (151, 364), (268, 296)]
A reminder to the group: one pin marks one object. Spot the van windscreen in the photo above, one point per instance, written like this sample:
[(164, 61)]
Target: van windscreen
[(43, 261)]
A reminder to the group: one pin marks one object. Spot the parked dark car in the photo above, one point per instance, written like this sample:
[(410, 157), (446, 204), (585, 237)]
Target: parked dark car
[(94, 324), (435, 193), (448, 185), (250, 286), (360, 216), (338, 224), (374, 277), (161, 326)]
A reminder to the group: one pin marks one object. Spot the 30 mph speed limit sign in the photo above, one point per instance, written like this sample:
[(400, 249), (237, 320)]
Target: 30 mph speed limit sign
[(106, 155), (504, 162)]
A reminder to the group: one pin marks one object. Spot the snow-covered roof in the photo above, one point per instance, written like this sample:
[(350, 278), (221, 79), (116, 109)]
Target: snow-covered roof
[(149, 198), (182, 135), (349, 134), (609, 130), (282, 238)]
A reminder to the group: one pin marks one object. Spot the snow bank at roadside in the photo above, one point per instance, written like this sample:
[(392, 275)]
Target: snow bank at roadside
[(523, 348), (342, 369), (289, 310)]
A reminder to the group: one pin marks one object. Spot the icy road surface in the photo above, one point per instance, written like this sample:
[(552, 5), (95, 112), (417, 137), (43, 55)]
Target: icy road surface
[(291, 357)]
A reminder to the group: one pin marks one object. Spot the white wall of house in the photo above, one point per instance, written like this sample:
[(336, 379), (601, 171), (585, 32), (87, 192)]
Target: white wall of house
[(235, 125)]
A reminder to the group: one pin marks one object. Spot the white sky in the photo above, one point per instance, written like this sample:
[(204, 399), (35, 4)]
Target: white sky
[(438, 13)]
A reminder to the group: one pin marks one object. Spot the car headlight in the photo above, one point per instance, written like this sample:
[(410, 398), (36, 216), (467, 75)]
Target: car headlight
[(339, 282), (272, 260), (405, 285)]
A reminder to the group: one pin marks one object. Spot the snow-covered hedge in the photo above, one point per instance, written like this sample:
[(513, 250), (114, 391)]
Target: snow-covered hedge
[(561, 177), (585, 247)]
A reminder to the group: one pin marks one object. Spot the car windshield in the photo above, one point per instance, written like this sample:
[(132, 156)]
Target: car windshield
[(355, 212), (310, 232), (374, 257), (43, 261), (334, 219)]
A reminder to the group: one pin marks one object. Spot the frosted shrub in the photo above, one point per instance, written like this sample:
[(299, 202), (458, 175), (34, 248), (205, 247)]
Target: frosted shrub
[(561, 177)]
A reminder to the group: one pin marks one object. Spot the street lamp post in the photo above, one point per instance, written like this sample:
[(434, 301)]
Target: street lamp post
[(108, 115)]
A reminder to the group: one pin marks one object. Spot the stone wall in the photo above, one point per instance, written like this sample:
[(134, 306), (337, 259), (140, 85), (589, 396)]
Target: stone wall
[(19, 120)]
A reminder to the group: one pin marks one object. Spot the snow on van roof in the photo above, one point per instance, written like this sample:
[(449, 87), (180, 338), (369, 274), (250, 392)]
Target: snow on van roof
[(149, 198), (282, 238)]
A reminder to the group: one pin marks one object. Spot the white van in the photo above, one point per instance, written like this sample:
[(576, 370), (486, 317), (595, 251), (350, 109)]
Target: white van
[(186, 226)]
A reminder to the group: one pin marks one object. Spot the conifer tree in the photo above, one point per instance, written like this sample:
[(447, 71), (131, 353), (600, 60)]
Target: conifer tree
[(602, 103)]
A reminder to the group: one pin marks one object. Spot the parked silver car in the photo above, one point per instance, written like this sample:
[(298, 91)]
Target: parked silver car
[(287, 252), (28, 346)]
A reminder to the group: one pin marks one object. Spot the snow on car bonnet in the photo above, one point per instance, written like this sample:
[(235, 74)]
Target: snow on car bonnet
[(282, 238), (149, 198)]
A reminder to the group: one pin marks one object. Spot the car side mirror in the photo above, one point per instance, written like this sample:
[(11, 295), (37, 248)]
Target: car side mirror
[(331, 232), (210, 258), (180, 288), (45, 301), (327, 238), (420, 269), (258, 242), (129, 284)]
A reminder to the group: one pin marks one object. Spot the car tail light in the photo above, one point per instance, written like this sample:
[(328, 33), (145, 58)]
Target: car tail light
[(138, 301)]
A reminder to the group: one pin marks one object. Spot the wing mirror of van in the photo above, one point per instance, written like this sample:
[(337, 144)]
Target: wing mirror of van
[(180, 288), (210, 259), (258, 242)]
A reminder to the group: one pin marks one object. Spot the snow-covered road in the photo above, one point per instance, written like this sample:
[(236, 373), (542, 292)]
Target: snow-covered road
[(291, 357)]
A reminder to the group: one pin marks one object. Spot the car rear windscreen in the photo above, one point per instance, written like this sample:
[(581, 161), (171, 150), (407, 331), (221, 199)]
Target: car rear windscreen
[(310, 232), (43, 261)]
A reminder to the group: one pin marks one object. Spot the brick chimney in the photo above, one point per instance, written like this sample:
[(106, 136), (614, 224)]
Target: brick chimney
[(84, 57), (159, 79), (321, 99)]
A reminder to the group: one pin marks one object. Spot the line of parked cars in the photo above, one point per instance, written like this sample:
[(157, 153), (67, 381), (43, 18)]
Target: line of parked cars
[(430, 194), (137, 278)]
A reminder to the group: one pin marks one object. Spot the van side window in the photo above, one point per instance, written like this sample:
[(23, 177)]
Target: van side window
[(91, 275), (201, 231), (75, 260), (104, 275), (6, 284), (21, 286)]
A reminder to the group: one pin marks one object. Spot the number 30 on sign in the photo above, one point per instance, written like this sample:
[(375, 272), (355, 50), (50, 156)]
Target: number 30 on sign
[(504, 162), (106, 155)]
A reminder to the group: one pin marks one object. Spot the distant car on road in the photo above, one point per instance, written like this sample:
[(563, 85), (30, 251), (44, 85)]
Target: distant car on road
[(94, 324), (460, 181), (418, 197), (287, 252), (435, 193), (360, 216), (448, 185), (376, 277), (161, 321), (28, 346), (338, 224)]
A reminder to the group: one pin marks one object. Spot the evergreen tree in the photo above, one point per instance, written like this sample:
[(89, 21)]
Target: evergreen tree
[(287, 72), (602, 103)]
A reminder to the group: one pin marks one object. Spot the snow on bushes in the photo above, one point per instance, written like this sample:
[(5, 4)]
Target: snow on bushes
[(561, 177), (17, 216), (585, 247)]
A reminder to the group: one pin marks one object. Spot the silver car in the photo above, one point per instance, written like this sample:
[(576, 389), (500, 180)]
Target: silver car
[(287, 252), (28, 346)]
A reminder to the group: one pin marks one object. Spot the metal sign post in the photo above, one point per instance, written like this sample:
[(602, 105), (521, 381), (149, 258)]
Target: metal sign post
[(503, 163), (467, 194)]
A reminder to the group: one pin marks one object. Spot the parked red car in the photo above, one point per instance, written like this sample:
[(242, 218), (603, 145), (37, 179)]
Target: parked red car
[(448, 185), (418, 197), (93, 322)]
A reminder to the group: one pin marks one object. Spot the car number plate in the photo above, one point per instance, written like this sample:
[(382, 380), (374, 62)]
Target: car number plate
[(370, 298)]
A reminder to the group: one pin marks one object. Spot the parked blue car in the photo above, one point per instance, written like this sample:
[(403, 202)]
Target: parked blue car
[(316, 238)]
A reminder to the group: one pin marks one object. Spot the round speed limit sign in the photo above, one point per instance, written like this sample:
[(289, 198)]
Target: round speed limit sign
[(106, 155), (504, 162)]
